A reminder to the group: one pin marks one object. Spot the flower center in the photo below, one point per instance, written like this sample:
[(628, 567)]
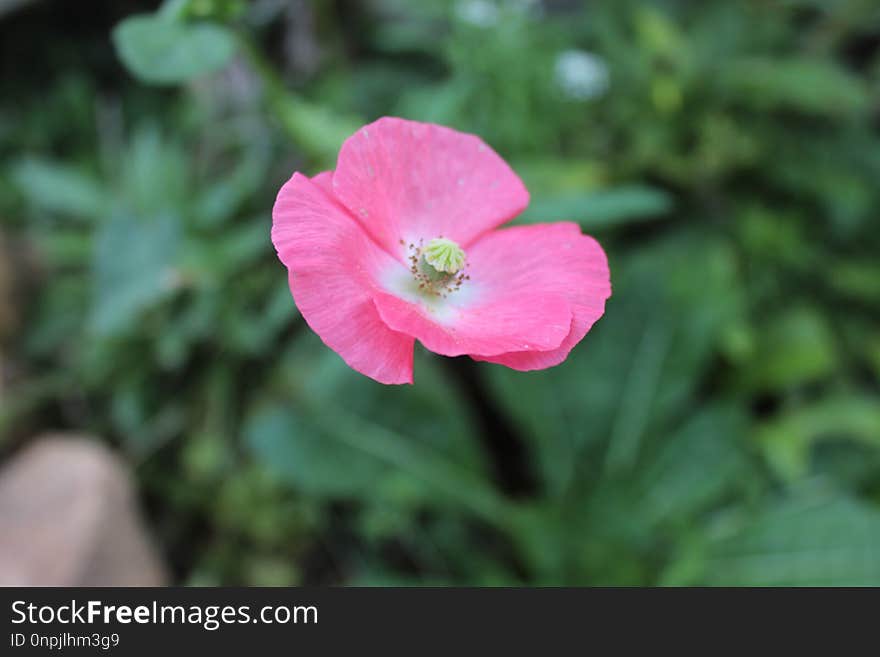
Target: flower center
[(443, 255), (438, 266)]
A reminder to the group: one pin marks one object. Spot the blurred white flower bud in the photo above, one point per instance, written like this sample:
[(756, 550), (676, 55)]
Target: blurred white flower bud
[(480, 13), (581, 75)]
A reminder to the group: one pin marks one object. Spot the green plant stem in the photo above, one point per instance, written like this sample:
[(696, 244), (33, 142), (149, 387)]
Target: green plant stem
[(318, 131)]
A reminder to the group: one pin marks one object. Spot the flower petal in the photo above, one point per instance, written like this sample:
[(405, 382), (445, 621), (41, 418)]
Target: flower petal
[(555, 259), (408, 181), (333, 264), (489, 323), (324, 180)]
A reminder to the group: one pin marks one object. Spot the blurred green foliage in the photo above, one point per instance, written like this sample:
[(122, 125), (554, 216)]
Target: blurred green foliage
[(720, 425)]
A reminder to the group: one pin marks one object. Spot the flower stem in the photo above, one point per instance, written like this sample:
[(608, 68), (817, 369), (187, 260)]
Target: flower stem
[(317, 130)]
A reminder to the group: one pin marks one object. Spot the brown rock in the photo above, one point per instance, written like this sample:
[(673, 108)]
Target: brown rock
[(68, 517)]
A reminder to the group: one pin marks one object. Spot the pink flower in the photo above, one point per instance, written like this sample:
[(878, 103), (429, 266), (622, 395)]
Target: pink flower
[(399, 244)]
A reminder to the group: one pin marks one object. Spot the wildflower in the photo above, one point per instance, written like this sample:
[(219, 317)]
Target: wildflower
[(581, 75), (399, 244)]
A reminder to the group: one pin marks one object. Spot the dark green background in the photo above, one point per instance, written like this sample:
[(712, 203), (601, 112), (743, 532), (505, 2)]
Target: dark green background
[(720, 425)]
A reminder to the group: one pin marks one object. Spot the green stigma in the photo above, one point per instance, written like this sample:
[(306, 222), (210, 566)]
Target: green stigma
[(444, 255), (438, 267)]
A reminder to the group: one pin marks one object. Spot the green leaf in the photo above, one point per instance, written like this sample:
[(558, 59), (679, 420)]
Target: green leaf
[(560, 175), (794, 348), (858, 279), (694, 465), (59, 188), (601, 209), (450, 480), (339, 453), (226, 255), (810, 85), (302, 456), (159, 50), (815, 538), (133, 269), (155, 175), (787, 440), (432, 413), (226, 194)]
